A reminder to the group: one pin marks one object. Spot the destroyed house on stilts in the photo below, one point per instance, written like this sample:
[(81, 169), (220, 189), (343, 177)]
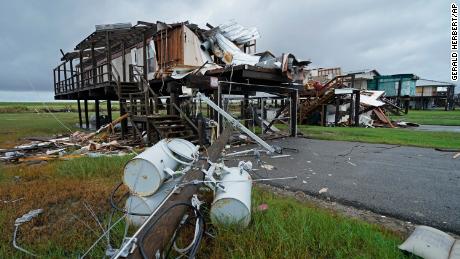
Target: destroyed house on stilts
[(154, 70)]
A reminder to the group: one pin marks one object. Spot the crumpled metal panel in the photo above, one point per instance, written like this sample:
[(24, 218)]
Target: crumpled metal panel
[(238, 57), (237, 33)]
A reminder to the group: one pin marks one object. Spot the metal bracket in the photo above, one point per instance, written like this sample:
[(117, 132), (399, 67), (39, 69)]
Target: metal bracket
[(236, 124), (173, 174), (196, 202), (211, 182), (126, 251)]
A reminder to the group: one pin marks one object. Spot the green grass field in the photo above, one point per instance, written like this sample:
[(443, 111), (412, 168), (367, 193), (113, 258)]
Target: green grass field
[(15, 126), (16, 107), (292, 229), (405, 137), (431, 117)]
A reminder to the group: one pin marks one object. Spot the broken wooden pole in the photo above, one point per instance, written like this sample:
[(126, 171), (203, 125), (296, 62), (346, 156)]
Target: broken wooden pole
[(323, 115), (79, 114), (351, 111), (357, 106), (337, 110), (201, 129), (245, 110), (86, 114), (98, 118), (155, 238), (124, 123), (172, 102), (109, 110), (293, 114)]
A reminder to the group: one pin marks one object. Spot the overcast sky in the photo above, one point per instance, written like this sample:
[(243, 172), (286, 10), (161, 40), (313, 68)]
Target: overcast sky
[(391, 36)]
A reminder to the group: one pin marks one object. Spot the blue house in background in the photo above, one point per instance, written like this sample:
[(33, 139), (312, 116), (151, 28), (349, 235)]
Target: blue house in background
[(394, 85), (406, 89)]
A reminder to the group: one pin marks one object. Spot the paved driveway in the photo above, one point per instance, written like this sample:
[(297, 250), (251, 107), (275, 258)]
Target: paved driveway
[(420, 185)]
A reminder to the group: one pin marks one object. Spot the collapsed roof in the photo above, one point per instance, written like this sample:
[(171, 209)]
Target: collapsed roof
[(184, 48)]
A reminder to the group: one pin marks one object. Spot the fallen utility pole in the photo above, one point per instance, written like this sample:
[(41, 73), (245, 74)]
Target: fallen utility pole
[(155, 241)]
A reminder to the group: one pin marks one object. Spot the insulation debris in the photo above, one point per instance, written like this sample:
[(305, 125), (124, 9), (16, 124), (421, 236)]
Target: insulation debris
[(267, 166)]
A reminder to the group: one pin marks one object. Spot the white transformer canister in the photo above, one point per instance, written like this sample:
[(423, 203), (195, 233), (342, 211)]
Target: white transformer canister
[(233, 205), (146, 205), (145, 173)]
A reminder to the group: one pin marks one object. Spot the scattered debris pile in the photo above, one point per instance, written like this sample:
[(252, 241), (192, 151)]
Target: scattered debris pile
[(374, 109), (345, 106), (104, 141)]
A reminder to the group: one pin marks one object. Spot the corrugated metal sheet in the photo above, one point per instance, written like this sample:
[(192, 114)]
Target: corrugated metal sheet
[(238, 33), (425, 82)]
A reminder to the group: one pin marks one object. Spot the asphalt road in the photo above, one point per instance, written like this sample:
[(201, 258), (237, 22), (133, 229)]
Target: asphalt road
[(419, 185)]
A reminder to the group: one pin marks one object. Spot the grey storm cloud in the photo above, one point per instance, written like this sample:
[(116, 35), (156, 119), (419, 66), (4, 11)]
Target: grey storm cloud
[(391, 36)]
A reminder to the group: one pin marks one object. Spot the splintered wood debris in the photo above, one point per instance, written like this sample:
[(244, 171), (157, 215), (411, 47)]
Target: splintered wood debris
[(104, 141)]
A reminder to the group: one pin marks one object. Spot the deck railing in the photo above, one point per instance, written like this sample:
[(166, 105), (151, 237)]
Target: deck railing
[(69, 80)]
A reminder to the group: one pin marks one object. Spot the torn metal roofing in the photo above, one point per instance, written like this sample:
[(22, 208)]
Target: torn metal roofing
[(427, 82), (118, 32), (237, 33)]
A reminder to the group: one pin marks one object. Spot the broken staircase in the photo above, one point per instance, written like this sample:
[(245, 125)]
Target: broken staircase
[(139, 100), (323, 97)]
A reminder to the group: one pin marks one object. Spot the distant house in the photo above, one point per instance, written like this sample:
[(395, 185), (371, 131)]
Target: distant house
[(322, 75), (359, 79), (431, 94), (395, 86)]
